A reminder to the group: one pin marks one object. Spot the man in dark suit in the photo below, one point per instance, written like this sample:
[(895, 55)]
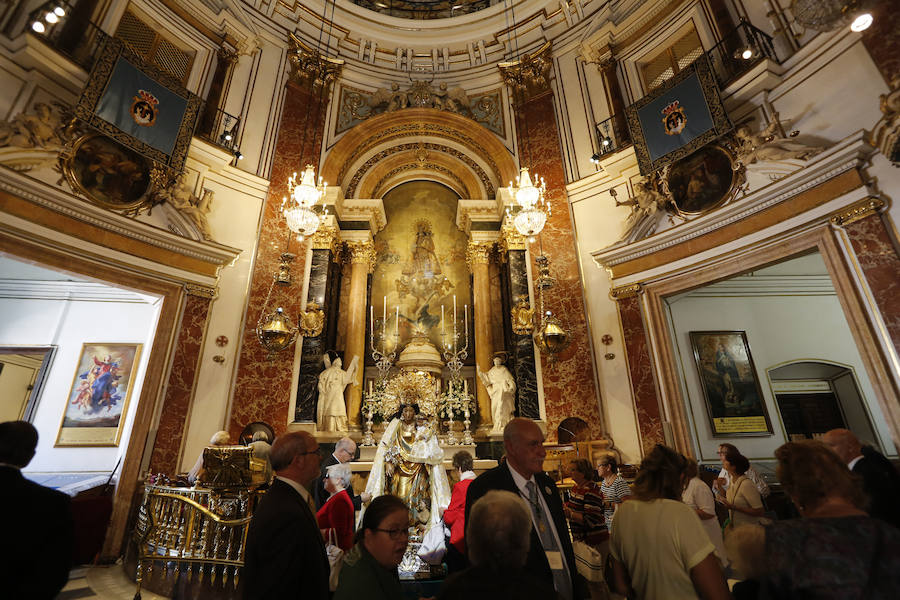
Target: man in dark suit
[(344, 451), (285, 555), (880, 479), (38, 530), (550, 554)]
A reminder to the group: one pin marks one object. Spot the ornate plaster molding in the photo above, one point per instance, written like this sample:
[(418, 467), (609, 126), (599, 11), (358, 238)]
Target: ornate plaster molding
[(510, 239), (201, 291), (529, 76), (308, 67), (625, 291)]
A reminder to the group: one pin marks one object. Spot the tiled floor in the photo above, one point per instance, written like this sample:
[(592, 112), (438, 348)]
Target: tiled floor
[(106, 582)]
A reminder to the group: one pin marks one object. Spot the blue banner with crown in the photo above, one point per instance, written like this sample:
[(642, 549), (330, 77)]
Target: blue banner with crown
[(139, 105), (674, 120)]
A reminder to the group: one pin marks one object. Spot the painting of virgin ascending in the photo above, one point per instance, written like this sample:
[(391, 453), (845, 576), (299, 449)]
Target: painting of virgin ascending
[(420, 264)]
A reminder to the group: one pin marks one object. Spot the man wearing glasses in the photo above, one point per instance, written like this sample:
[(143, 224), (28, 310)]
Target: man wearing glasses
[(285, 555), (344, 451)]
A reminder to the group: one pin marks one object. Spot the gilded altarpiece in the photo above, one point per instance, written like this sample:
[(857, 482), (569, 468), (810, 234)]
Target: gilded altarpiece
[(421, 264)]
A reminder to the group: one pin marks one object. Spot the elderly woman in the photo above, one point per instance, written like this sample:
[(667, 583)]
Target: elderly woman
[(336, 515), (219, 438), (835, 550), (659, 548), (742, 499), (724, 480), (615, 489), (370, 568)]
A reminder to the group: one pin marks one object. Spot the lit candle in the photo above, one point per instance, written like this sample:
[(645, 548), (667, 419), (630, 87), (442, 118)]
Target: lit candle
[(466, 315), (454, 323), (466, 387), (370, 387)]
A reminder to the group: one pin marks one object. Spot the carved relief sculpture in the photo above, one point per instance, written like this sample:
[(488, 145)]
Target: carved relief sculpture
[(647, 209), (180, 197), (886, 133), (312, 320), (501, 387), (522, 317), (331, 414), (41, 128), (771, 144)]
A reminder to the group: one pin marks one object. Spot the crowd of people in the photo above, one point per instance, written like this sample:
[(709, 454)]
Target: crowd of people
[(511, 533)]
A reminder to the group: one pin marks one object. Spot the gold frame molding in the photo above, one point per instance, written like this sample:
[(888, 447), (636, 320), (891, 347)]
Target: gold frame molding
[(822, 238)]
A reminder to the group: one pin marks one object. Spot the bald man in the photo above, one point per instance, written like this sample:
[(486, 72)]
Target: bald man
[(881, 481), (550, 556)]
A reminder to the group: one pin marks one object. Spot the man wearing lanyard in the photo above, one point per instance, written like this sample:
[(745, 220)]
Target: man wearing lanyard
[(550, 554)]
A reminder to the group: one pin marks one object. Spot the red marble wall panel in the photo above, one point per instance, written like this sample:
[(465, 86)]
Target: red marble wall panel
[(646, 403), (880, 264), (263, 385), (569, 387), (882, 40), (180, 385)]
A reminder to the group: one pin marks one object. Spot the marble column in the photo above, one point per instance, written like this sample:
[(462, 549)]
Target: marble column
[(262, 388), (569, 383), (637, 351), (322, 292), (478, 257), (180, 386), (520, 346), (876, 252), (361, 254)]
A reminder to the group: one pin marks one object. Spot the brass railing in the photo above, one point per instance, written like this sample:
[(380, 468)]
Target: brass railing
[(193, 532)]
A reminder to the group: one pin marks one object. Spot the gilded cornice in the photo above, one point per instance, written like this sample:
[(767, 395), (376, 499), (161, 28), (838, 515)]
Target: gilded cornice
[(478, 253), (625, 291), (858, 211), (361, 252)]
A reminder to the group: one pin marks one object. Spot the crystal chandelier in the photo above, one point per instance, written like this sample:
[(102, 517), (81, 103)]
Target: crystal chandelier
[(303, 197), (533, 208), (827, 15)]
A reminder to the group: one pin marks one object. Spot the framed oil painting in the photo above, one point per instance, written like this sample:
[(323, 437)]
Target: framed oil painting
[(107, 173), (701, 181), (98, 400), (731, 390)]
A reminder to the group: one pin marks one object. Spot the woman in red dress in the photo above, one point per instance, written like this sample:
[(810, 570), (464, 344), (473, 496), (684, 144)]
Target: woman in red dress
[(336, 515)]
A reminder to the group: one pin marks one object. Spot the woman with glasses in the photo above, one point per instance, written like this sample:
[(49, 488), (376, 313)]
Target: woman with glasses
[(370, 568)]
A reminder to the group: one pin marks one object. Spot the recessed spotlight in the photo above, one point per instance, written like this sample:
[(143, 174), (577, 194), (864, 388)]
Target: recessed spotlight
[(747, 54), (607, 141), (227, 137), (861, 23), (595, 158), (51, 17), (60, 11), (38, 27)]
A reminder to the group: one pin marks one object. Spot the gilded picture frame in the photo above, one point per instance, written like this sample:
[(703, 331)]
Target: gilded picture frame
[(108, 174), (97, 403), (702, 181), (731, 390)]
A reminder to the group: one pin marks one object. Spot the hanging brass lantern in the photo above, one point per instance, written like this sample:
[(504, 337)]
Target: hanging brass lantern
[(551, 338), (275, 331)]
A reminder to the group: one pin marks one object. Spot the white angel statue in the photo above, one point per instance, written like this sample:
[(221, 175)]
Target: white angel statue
[(331, 414)]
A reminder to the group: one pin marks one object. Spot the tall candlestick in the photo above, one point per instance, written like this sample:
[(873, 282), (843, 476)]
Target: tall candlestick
[(372, 326), (397, 323), (454, 323), (466, 315), (370, 387), (384, 316), (466, 389), (442, 322)]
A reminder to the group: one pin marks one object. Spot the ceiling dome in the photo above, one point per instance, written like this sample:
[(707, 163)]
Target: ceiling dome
[(425, 9)]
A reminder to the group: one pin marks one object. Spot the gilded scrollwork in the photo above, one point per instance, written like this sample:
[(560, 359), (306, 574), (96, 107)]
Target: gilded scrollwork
[(312, 320), (529, 76), (308, 67), (522, 315), (361, 252), (479, 253), (886, 133), (858, 211)]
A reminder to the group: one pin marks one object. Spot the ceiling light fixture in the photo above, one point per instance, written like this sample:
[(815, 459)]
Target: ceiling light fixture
[(827, 15), (862, 22)]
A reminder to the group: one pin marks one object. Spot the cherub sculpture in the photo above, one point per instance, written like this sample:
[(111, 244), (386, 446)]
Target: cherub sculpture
[(647, 206), (181, 198), (41, 128), (771, 144)]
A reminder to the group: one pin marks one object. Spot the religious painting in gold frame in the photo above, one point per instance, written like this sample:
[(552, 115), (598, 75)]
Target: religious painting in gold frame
[(421, 264), (702, 181), (107, 173), (97, 403), (731, 391)]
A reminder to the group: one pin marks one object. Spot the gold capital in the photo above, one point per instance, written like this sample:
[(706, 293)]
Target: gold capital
[(625, 291), (201, 291), (361, 252), (308, 67), (529, 76), (479, 253), (510, 239), (858, 211)]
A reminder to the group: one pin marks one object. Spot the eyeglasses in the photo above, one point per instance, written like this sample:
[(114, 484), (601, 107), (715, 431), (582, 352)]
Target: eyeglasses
[(396, 534)]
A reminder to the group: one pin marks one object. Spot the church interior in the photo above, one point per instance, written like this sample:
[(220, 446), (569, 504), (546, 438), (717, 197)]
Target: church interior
[(635, 222)]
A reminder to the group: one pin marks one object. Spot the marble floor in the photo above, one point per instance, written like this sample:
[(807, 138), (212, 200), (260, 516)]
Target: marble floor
[(106, 582)]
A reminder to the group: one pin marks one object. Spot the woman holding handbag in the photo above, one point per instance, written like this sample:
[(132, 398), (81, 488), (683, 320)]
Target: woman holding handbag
[(336, 515)]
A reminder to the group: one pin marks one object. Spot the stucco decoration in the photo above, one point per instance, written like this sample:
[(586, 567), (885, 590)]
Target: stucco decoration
[(886, 133), (355, 106)]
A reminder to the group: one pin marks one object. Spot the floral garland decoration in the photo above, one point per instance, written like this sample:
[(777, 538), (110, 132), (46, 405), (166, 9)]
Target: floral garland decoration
[(454, 401)]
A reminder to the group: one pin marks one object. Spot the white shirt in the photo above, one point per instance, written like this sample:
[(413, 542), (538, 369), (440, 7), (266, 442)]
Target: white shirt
[(523, 491)]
